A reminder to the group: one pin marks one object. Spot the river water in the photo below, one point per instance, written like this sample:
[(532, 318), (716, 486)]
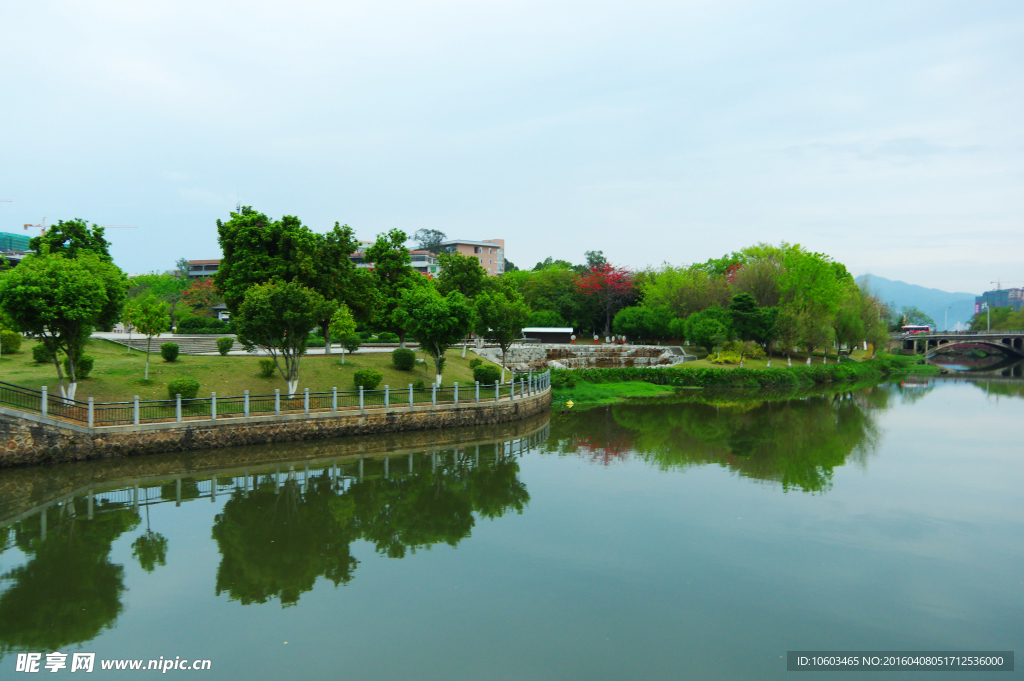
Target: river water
[(702, 537)]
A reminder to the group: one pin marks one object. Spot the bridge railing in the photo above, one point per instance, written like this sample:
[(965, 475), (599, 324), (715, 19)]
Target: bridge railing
[(136, 412)]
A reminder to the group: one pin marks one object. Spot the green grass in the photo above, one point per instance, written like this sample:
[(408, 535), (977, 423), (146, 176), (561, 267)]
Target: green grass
[(603, 393), (116, 377)]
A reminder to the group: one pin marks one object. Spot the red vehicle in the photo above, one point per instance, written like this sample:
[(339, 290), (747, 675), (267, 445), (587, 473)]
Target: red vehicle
[(915, 328)]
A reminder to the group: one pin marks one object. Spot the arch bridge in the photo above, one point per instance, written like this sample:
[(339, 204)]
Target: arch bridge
[(1008, 342)]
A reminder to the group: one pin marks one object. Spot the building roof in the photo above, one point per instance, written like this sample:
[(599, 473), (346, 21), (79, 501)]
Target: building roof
[(548, 329), (468, 242), (204, 262)]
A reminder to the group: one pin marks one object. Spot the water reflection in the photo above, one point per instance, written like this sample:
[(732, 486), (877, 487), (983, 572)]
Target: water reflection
[(68, 591), (278, 531), (794, 442)]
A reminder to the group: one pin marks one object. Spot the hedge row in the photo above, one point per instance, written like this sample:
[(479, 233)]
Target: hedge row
[(733, 378)]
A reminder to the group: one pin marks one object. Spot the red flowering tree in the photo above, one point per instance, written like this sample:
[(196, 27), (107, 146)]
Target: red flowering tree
[(611, 286), (201, 295)]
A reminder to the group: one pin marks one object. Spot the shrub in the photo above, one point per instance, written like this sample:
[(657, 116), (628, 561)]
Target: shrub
[(403, 359), (192, 324), (419, 385), (474, 363), (41, 355), (169, 351), (365, 335), (10, 341), (351, 343), (726, 358), (83, 366), (487, 374), (267, 367), (368, 379), (387, 337), (188, 388), (225, 344)]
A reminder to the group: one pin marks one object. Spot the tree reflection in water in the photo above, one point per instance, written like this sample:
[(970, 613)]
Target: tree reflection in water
[(796, 442), (68, 591), (275, 543)]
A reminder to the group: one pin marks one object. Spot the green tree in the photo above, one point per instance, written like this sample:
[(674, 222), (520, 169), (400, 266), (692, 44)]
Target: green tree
[(149, 315), (150, 549), (167, 286), (644, 322), (913, 316), (394, 275), (684, 290), (461, 273), (277, 317), (747, 320), (787, 328), (71, 238), (60, 300), (848, 324), (812, 290), (343, 325), (501, 314), (708, 328), (436, 322), (430, 240)]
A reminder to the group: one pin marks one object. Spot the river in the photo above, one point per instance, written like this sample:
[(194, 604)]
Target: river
[(700, 537)]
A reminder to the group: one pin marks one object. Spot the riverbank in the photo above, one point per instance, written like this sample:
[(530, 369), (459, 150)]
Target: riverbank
[(598, 386)]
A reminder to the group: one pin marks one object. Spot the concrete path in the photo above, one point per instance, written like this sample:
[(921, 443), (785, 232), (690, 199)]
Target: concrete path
[(170, 337)]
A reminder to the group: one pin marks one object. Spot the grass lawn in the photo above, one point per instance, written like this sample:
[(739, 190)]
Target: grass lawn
[(116, 377), (603, 393)]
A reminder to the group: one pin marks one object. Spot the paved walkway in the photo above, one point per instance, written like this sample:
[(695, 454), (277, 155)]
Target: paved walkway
[(170, 337)]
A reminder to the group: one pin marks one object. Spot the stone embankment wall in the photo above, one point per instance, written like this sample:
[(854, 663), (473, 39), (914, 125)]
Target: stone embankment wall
[(32, 439), (540, 357)]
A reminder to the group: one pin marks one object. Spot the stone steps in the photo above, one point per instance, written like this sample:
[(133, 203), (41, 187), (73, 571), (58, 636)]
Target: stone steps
[(187, 345)]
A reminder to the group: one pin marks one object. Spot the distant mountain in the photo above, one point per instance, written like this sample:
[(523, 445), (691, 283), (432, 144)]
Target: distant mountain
[(931, 301)]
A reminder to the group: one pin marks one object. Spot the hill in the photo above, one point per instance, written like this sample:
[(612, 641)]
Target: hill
[(932, 301)]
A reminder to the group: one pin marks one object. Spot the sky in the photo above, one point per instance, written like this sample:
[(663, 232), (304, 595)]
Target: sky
[(887, 135)]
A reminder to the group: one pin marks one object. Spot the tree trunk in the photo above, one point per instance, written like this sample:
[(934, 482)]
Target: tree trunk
[(326, 328), (149, 344), (401, 339), (789, 359)]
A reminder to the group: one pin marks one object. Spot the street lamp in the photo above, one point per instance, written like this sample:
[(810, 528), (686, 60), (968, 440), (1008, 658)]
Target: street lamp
[(984, 306)]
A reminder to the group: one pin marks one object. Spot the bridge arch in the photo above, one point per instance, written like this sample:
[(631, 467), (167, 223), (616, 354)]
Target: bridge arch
[(1010, 346)]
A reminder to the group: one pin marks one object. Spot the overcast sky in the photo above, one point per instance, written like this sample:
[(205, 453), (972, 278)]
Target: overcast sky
[(887, 134)]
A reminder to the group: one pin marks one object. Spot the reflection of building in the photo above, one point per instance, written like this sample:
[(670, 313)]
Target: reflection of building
[(202, 268), (490, 252), (1007, 297)]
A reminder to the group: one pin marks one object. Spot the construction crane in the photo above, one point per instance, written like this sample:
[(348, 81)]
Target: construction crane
[(999, 283), (42, 226)]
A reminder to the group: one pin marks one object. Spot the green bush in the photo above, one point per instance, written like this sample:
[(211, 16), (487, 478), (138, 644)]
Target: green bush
[(403, 359), (169, 351), (225, 344), (487, 374), (41, 355), (350, 343), (10, 341), (368, 379), (387, 337), (365, 335), (82, 367), (188, 388), (726, 358), (474, 363), (267, 367), (419, 385), (750, 349)]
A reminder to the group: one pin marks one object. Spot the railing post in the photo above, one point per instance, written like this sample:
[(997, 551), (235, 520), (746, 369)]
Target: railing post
[(90, 412), (478, 391), (213, 406), (387, 397), (360, 398), (456, 393), (245, 403), (410, 396), (334, 398), (177, 407), (522, 387), (135, 410), (433, 394), (43, 401), (497, 390), (277, 401), (305, 401)]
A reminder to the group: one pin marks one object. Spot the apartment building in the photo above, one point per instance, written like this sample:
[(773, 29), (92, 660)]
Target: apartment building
[(203, 268), (423, 262), (490, 252)]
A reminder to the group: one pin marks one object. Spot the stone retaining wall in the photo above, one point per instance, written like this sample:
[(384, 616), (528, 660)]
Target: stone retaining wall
[(31, 439)]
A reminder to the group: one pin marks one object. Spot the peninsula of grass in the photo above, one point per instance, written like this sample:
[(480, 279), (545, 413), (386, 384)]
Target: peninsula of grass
[(117, 377), (613, 384)]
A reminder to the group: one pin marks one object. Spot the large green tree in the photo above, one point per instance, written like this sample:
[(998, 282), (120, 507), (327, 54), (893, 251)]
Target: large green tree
[(436, 322), (277, 318), (70, 238), (461, 273), (501, 314), (60, 300), (394, 275), (708, 328)]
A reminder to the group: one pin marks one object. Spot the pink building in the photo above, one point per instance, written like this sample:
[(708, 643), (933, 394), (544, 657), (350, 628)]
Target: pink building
[(490, 252)]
